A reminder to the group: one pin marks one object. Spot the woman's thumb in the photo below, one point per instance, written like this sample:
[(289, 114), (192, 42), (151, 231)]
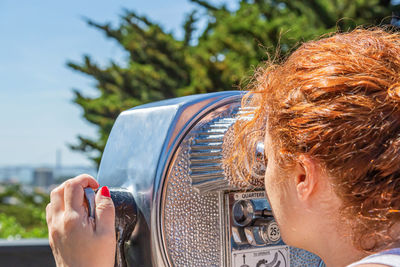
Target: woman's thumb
[(105, 211)]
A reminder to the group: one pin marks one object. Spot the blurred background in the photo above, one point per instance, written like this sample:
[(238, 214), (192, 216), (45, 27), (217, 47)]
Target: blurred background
[(68, 68)]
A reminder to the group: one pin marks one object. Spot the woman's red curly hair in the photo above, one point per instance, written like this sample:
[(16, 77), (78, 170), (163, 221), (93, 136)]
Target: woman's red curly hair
[(337, 100)]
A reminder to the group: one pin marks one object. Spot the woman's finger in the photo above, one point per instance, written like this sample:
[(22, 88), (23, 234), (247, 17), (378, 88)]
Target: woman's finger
[(73, 191), (48, 214), (57, 199), (105, 212)]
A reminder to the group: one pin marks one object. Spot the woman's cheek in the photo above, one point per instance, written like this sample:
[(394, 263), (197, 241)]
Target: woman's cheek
[(274, 194), (270, 190)]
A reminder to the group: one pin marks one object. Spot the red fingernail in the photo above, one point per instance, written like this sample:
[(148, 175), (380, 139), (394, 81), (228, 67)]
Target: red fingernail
[(105, 192)]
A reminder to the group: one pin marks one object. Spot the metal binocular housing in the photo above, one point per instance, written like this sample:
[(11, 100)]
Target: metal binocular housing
[(174, 204)]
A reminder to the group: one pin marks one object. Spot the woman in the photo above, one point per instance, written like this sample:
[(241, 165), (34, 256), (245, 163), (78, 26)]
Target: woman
[(330, 119)]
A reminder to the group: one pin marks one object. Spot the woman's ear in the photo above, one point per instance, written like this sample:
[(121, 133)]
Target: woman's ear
[(306, 177)]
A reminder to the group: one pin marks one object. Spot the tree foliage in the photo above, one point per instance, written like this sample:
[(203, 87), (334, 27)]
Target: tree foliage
[(22, 212), (212, 58)]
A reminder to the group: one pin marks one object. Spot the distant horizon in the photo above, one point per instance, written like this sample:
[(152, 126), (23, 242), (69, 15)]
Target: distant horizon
[(2, 166), (24, 174)]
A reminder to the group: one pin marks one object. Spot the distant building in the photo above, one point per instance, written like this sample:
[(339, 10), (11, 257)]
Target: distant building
[(33, 175), (43, 177)]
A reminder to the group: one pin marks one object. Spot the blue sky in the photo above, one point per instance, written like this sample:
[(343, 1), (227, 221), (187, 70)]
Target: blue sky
[(37, 38)]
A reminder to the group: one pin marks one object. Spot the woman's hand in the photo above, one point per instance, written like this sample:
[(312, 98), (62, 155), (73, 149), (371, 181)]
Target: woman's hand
[(76, 239)]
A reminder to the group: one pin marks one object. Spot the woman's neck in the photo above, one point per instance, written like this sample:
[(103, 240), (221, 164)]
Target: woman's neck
[(336, 248)]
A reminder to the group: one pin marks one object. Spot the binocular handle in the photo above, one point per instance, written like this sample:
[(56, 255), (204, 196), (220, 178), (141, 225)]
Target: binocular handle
[(125, 218)]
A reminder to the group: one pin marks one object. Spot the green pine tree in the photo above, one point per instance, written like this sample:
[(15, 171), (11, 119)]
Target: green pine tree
[(215, 58)]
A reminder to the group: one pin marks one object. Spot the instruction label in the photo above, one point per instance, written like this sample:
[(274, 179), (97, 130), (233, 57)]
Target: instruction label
[(266, 257), (249, 195)]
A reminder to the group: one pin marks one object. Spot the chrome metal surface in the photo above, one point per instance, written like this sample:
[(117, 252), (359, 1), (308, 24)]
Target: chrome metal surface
[(260, 154), (137, 155), (210, 145), (243, 212), (206, 167), (192, 221), (91, 198)]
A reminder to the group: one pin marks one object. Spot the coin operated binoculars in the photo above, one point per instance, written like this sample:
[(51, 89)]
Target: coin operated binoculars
[(174, 203)]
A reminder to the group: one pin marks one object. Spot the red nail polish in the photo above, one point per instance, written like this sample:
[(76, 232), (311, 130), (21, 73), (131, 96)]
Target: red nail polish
[(105, 192)]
